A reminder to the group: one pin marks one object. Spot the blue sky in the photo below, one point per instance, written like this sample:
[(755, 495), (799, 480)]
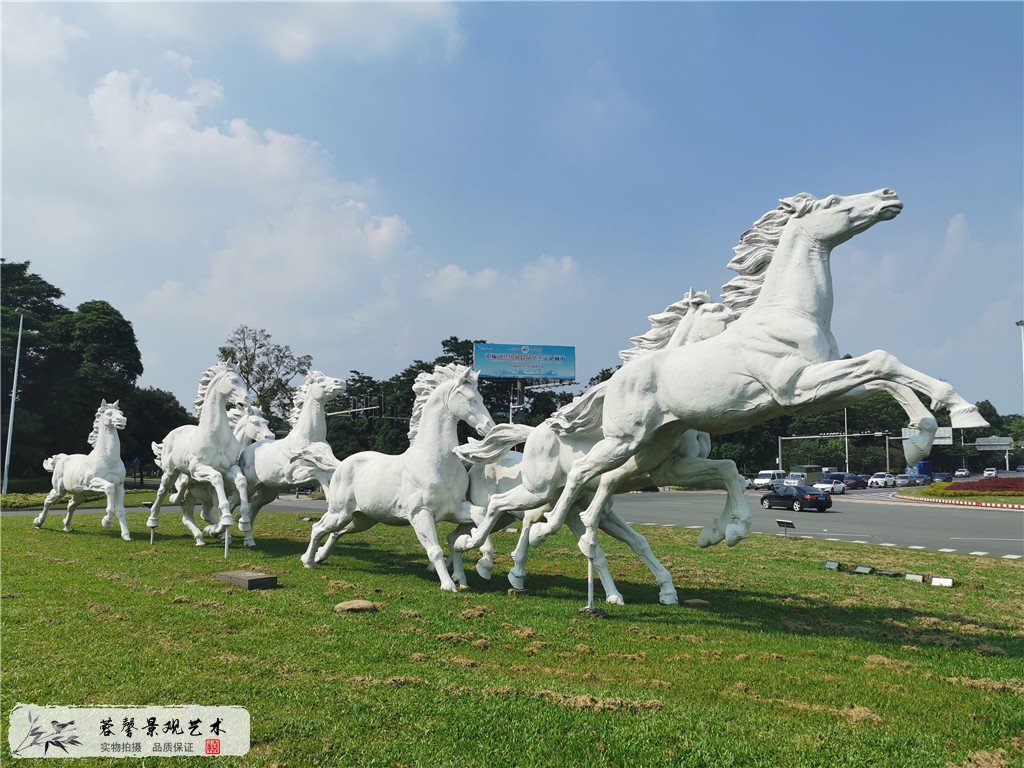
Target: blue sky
[(365, 180)]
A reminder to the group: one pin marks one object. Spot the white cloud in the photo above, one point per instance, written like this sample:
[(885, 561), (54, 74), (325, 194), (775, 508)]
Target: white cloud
[(33, 39), (179, 60), (297, 31)]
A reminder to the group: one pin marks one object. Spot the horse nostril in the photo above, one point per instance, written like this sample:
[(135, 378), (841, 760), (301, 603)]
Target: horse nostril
[(888, 193)]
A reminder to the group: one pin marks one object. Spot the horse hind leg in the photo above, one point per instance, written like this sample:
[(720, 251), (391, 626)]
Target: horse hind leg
[(359, 523), (332, 521), (612, 594), (615, 526), (72, 506), (51, 497), (426, 531)]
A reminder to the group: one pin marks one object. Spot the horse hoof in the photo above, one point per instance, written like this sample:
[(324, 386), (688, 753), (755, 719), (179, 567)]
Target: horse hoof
[(709, 535), (735, 533), (462, 543), (106, 522), (249, 544), (462, 587), (666, 598), (484, 571), (125, 537), (517, 581), (306, 563), (587, 544), (37, 522), (152, 522), (450, 587), (67, 528), (200, 543), (615, 600), (967, 417), (537, 535)]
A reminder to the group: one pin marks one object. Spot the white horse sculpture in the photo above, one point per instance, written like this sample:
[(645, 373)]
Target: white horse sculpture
[(207, 452), (420, 487), (779, 356), (248, 424), (101, 470), (268, 464)]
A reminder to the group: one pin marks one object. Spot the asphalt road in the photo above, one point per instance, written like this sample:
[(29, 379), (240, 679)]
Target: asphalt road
[(868, 516), (872, 517)]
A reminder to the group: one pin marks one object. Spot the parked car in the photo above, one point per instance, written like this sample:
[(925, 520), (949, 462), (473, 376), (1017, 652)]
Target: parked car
[(834, 485), (941, 477), (795, 478), (853, 482), (902, 481), (769, 478), (865, 478), (797, 497), (922, 479), (747, 483), (962, 473), (1020, 468), (990, 472), (882, 480)]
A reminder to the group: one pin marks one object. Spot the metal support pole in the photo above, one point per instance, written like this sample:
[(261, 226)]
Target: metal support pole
[(14, 397), (780, 454), (846, 439)]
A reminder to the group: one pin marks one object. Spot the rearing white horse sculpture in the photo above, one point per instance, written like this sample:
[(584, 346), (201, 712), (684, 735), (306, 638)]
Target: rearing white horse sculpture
[(207, 452), (779, 356), (99, 470)]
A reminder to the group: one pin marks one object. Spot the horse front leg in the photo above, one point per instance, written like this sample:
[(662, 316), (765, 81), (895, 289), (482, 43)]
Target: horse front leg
[(836, 377), (207, 474), (458, 566), (733, 524), (51, 497), (237, 478), (615, 526), (426, 531), (121, 512), (500, 504), (332, 521), (187, 500)]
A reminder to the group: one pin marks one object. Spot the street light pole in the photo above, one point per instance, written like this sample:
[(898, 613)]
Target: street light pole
[(14, 396), (1020, 324), (846, 439)]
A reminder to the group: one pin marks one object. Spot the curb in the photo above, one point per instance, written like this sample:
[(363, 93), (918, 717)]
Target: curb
[(964, 503)]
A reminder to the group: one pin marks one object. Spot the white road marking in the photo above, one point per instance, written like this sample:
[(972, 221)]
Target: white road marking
[(887, 545), (1012, 557), (978, 553), (947, 550), (858, 542), (916, 546)]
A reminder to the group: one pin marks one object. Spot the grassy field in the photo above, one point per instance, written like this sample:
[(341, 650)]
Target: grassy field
[(791, 665), (133, 497)]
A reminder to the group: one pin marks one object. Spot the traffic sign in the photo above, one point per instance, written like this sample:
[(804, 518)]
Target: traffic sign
[(994, 443)]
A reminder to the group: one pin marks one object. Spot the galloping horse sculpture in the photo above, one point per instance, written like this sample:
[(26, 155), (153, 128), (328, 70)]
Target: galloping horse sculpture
[(99, 470), (425, 484), (268, 465), (207, 452), (248, 424), (779, 356)]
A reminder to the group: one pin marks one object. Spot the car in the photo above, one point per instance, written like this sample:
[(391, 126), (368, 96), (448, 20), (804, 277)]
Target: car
[(854, 482), (747, 483), (990, 472), (962, 473), (902, 481), (795, 478), (941, 477), (796, 498), (865, 478), (769, 479), (835, 485), (882, 480), (922, 479), (1020, 468)]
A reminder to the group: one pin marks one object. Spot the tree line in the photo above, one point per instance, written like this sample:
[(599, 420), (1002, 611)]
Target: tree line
[(71, 359)]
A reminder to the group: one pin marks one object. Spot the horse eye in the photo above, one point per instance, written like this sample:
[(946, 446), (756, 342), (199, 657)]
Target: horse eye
[(832, 201)]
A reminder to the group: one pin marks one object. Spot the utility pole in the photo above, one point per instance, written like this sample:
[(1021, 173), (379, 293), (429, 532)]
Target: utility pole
[(14, 397)]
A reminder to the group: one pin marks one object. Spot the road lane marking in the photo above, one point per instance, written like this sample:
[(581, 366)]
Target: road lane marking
[(947, 550), (887, 545), (978, 553), (1012, 557), (916, 546)]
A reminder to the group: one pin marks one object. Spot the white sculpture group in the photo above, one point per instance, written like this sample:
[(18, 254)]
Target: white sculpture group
[(704, 368)]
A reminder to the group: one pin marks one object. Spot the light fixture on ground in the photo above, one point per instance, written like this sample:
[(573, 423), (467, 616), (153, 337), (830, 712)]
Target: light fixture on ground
[(786, 526)]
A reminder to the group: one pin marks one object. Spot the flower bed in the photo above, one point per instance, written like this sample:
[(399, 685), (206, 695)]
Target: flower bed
[(993, 486)]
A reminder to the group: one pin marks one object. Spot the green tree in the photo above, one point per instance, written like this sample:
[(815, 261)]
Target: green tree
[(267, 369)]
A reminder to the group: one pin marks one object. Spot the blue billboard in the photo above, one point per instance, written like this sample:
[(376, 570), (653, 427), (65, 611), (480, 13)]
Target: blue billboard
[(525, 361)]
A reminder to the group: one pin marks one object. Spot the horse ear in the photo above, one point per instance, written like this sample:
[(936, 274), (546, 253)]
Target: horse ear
[(117, 403), (103, 403)]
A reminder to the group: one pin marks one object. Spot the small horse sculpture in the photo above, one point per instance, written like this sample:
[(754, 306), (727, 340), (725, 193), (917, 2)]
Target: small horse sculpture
[(779, 356), (268, 464), (207, 452), (420, 487), (101, 470), (248, 424)]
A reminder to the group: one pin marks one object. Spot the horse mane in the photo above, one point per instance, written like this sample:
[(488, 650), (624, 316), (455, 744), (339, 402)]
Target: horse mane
[(425, 385), (208, 376), (299, 398), (755, 249), (664, 324), (95, 434)]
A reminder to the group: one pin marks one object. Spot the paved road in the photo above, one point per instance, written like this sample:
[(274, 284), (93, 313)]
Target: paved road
[(869, 516)]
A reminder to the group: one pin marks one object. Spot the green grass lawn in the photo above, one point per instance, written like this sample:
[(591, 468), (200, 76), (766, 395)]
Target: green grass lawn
[(792, 664)]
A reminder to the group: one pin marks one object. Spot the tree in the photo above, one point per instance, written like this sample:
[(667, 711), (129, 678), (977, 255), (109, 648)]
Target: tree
[(267, 368), (152, 413)]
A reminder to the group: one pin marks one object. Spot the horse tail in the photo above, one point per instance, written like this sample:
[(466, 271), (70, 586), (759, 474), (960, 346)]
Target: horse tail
[(158, 452), (318, 455), (52, 463), (493, 447), (583, 414)]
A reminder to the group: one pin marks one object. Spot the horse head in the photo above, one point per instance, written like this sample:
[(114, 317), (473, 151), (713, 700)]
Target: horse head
[(836, 218), (321, 387), (251, 425), (465, 403), (110, 415), (229, 382)]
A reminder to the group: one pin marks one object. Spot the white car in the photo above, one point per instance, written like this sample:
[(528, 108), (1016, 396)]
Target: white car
[(882, 480), (831, 486), (962, 473), (990, 472), (795, 478)]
